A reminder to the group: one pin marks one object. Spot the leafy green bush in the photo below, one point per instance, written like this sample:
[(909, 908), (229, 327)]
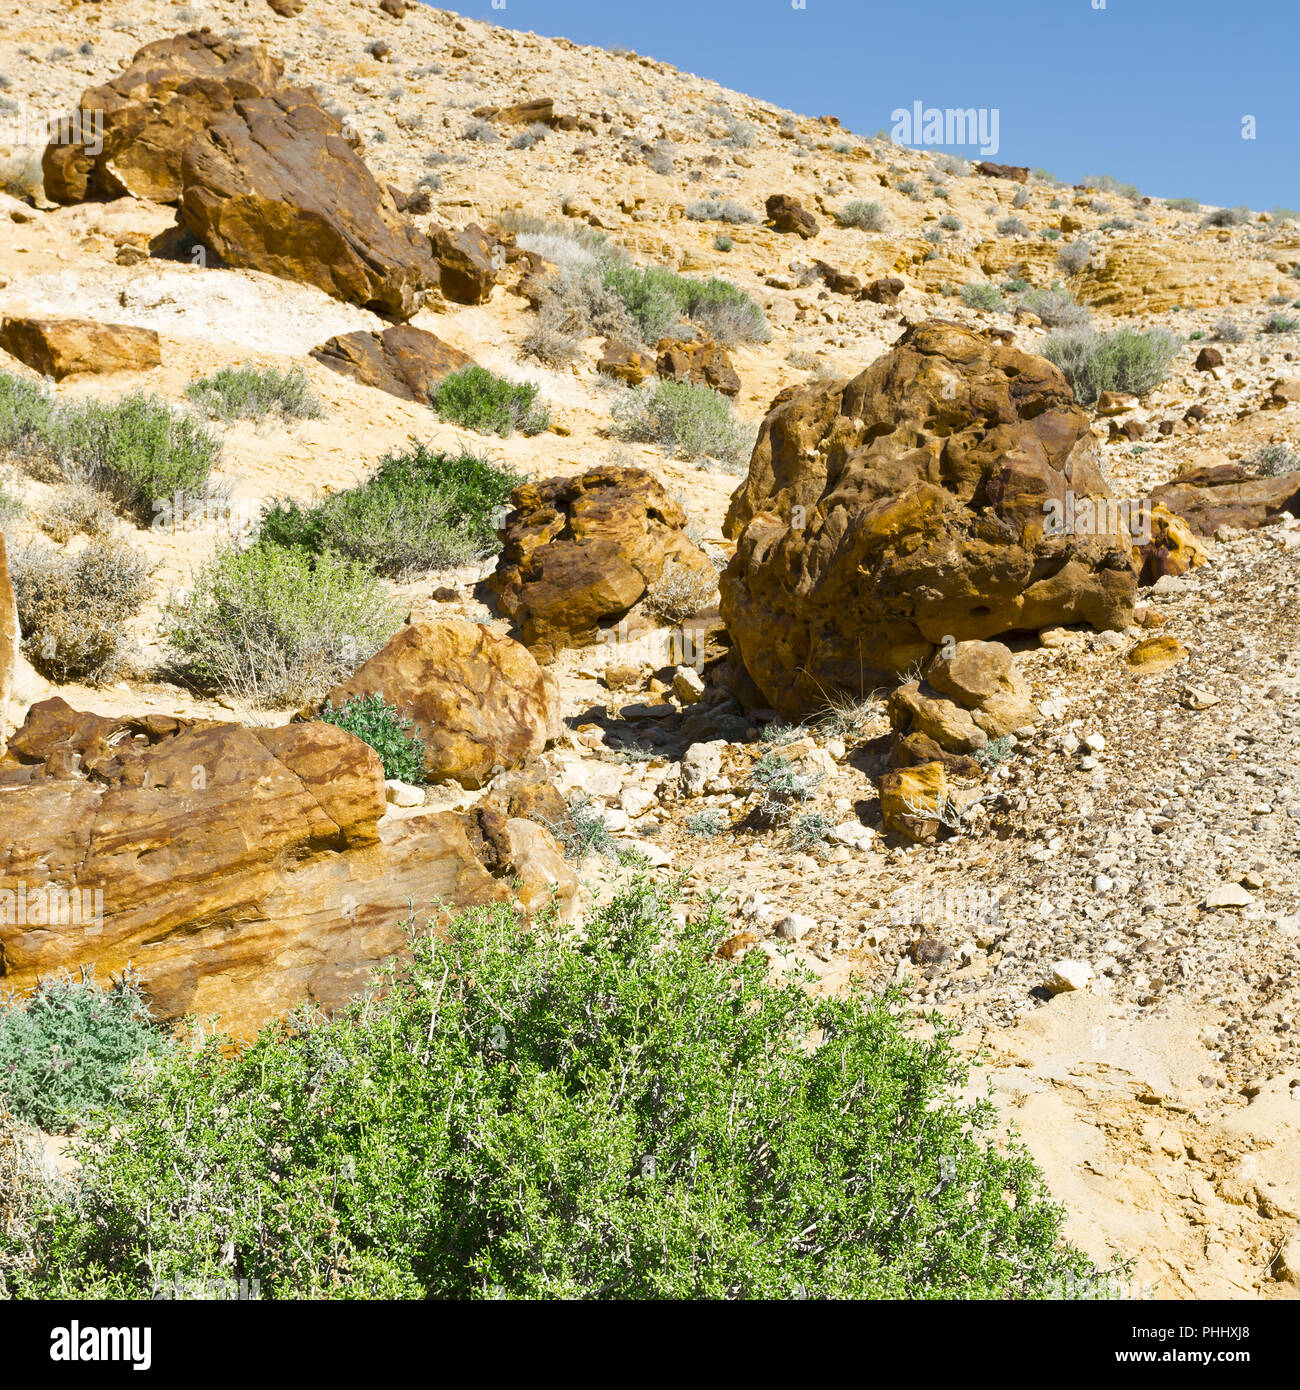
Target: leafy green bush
[(1280, 323), (75, 611), (241, 393), (68, 1048), (277, 625), (480, 400), (382, 726), (1126, 360), (982, 297), (687, 420), (614, 1114), (657, 299), (866, 216), (419, 510), (26, 410), (723, 243)]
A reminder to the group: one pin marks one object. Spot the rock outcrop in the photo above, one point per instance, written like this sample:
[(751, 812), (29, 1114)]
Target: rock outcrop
[(967, 698), (1227, 494), (402, 360), (67, 347), (468, 268), (914, 503), (10, 639), (787, 214), (580, 552), (274, 186), (239, 870), (699, 360), (480, 702)]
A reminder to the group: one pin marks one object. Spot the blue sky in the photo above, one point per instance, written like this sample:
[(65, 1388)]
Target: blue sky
[(1153, 92)]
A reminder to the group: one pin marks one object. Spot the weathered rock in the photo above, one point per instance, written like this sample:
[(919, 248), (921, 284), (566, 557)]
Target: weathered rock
[(66, 347), (396, 8), (239, 870), (884, 290), (913, 798), (699, 360), (579, 552), (402, 360), (10, 639), (1172, 549), (625, 363), (1208, 358), (172, 91), (480, 702), (916, 708), (983, 677), (468, 269), (838, 281), (273, 186), (787, 214), (886, 513), (1132, 275), (1227, 494), (1152, 655), (288, 9), (1019, 172)]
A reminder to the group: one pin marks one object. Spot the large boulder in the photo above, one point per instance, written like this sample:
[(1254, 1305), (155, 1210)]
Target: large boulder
[(67, 347), (787, 214), (970, 694), (579, 552), (1227, 494), (402, 360), (699, 360), (240, 870), (274, 186), (172, 91), (468, 268), (915, 503), (480, 702)]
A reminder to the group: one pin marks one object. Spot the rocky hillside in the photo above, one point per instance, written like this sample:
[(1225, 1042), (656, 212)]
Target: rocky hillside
[(903, 551)]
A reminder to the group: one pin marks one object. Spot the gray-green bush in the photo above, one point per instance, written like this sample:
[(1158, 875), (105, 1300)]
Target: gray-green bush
[(688, 421), (1125, 360)]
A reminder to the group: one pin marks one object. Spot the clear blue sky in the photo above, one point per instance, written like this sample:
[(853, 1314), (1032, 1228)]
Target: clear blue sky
[(1151, 91)]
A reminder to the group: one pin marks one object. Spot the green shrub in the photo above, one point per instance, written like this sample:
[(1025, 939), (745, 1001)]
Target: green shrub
[(982, 297), (67, 1050), (585, 831), (809, 832), (383, 727), (26, 411), (995, 752), (1107, 183), (1056, 308), (687, 420), (614, 1114), (723, 243), (866, 216), (1273, 460), (1183, 204), (479, 400), (717, 209), (420, 510), (658, 299), (950, 222), (706, 823), (277, 625), (780, 787), (910, 187), (1126, 360), (242, 393), (1280, 323), (75, 611)]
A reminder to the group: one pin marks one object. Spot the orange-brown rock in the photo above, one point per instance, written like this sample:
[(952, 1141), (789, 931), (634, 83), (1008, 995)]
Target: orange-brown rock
[(239, 870), (274, 186), (787, 214), (580, 552), (699, 360), (1173, 547), (1226, 494), (171, 92), (480, 701), (625, 363), (9, 639), (883, 514), (468, 268), (66, 347), (402, 360)]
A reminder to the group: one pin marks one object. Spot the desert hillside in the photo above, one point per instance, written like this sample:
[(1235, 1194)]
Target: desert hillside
[(898, 554)]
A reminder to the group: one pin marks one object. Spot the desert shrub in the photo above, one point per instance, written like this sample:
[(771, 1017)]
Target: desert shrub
[(808, 832), (67, 1050), (481, 131), (659, 159), (277, 625), (1226, 217), (386, 730), (482, 401), (21, 175), (932, 235), (910, 187), (723, 243), (1117, 224), (584, 830), (1020, 199), (1012, 226), (75, 610), (26, 416), (575, 303), (995, 752), (1045, 176), (1126, 360), (137, 450), (779, 788), (1183, 204), (78, 510), (1099, 206), (1051, 234), (680, 592), (420, 510), (865, 215), (615, 1114), (687, 420), (706, 823), (1280, 323), (952, 165), (717, 209), (1074, 257), (526, 139), (740, 134), (982, 297), (1226, 331), (658, 300), (1056, 308), (243, 393), (950, 222), (1107, 183), (1273, 460)]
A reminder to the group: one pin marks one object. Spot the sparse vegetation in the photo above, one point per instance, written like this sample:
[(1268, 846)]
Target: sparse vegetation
[(718, 209), (77, 510), (1012, 226), (1183, 204), (1228, 331), (1226, 217), (864, 215), (982, 297), (243, 393), (488, 404), (680, 592), (1055, 307), (420, 510), (75, 611), (381, 725), (1075, 257), (1125, 360), (780, 788), (1280, 323), (1273, 460), (686, 420), (484, 132), (708, 823)]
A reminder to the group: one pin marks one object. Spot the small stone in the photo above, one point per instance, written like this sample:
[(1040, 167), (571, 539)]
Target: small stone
[(636, 801), (1194, 697), (795, 926), (1228, 895), (1068, 975), (1095, 743), (687, 685), (400, 793)]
